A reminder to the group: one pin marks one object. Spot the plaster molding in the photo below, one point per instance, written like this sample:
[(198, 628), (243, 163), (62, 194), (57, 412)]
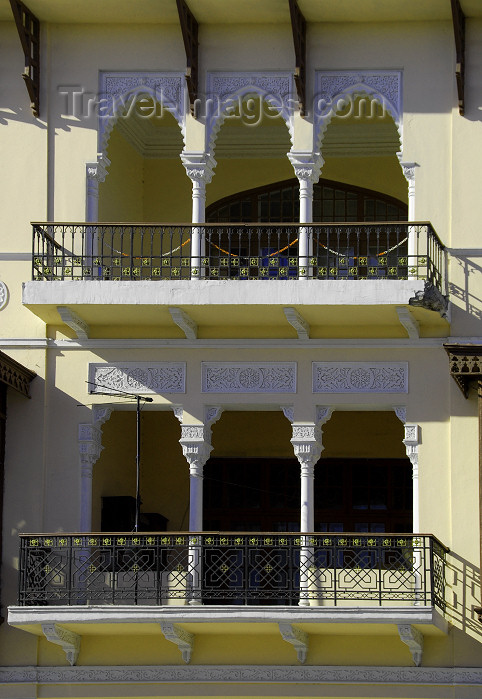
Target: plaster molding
[(199, 166), (401, 412), (413, 638), (101, 413), (212, 414), (333, 89), (3, 295), (323, 414), (180, 637), (178, 411), (138, 378), (196, 447), (307, 166), (184, 321), (119, 90), (307, 446), (97, 171), (410, 324), (360, 377), (402, 677), (412, 441), (226, 90), (298, 638), (74, 321), (90, 447), (67, 640), (248, 377), (296, 320), (288, 412)]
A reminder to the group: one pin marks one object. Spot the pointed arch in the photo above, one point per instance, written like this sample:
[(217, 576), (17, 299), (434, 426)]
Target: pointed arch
[(334, 90), (119, 92), (226, 89)]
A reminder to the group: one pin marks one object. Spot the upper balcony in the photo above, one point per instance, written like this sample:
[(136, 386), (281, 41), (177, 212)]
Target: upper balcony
[(202, 268)]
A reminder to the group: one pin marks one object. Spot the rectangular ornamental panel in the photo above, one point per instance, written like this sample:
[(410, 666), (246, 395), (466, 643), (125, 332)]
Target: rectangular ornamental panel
[(249, 377), (138, 377), (360, 377)]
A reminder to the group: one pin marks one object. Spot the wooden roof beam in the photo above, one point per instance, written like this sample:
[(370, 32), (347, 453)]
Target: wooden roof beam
[(298, 25), (189, 29), (458, 19), (28, 27)]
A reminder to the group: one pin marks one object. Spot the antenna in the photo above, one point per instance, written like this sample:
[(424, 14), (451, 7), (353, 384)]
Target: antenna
[(138, 399)]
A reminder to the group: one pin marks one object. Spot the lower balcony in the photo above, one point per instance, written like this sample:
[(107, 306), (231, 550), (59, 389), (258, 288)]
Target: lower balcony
[(232, 569), (183, 586)]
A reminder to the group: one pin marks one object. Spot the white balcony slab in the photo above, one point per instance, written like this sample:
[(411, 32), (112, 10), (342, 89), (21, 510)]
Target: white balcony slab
[(31, 618), (223, 292)]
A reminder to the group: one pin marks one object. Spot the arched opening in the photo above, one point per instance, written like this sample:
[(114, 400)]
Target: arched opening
[(332, 202)]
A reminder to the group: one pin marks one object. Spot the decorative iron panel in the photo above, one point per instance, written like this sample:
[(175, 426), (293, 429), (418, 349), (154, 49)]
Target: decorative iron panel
[(231, 568), (238, 251)]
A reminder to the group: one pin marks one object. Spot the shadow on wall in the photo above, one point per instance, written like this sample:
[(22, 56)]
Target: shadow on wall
[(471, 304), (462, 594)]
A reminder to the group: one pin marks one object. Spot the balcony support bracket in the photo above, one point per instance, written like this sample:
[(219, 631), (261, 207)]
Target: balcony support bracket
[(67, 640), (184, 321), (297, 638), (181, 638), (408, 321), (413, 638), (74, 321), (298, 322)]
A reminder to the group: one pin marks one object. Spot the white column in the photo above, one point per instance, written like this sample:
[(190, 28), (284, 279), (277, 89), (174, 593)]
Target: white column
[(409, 174), (90, 446), (95, 174), (199, 168), (307, 167), (411, 441), (196, 447), (307, 446)]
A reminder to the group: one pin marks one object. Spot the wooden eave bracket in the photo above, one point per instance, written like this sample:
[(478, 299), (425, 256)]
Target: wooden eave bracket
[(181, 638), (189, 29), (298, 26), (67, 640), (413, 638), (458, 19), (15, 375), (297, 638), (28, 27), (465, 364)]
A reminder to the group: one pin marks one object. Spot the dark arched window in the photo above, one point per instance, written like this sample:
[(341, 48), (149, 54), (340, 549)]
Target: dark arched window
[(332, 202)]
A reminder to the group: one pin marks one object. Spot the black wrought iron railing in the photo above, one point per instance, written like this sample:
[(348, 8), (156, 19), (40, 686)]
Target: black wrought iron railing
[(232, 568), (106, 251)]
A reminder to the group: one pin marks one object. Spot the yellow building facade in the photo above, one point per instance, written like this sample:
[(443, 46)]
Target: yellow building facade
[(240, 380)]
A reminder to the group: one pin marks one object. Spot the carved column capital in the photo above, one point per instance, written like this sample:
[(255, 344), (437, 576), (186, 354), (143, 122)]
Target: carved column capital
[(307, 166), (307, 446), (196, 447), (97, 172), (199, 167), (411, 441)]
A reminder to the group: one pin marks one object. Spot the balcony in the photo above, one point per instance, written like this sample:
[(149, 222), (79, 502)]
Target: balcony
[(187, 585), (359, 251), (203, 269), (235, 569)]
